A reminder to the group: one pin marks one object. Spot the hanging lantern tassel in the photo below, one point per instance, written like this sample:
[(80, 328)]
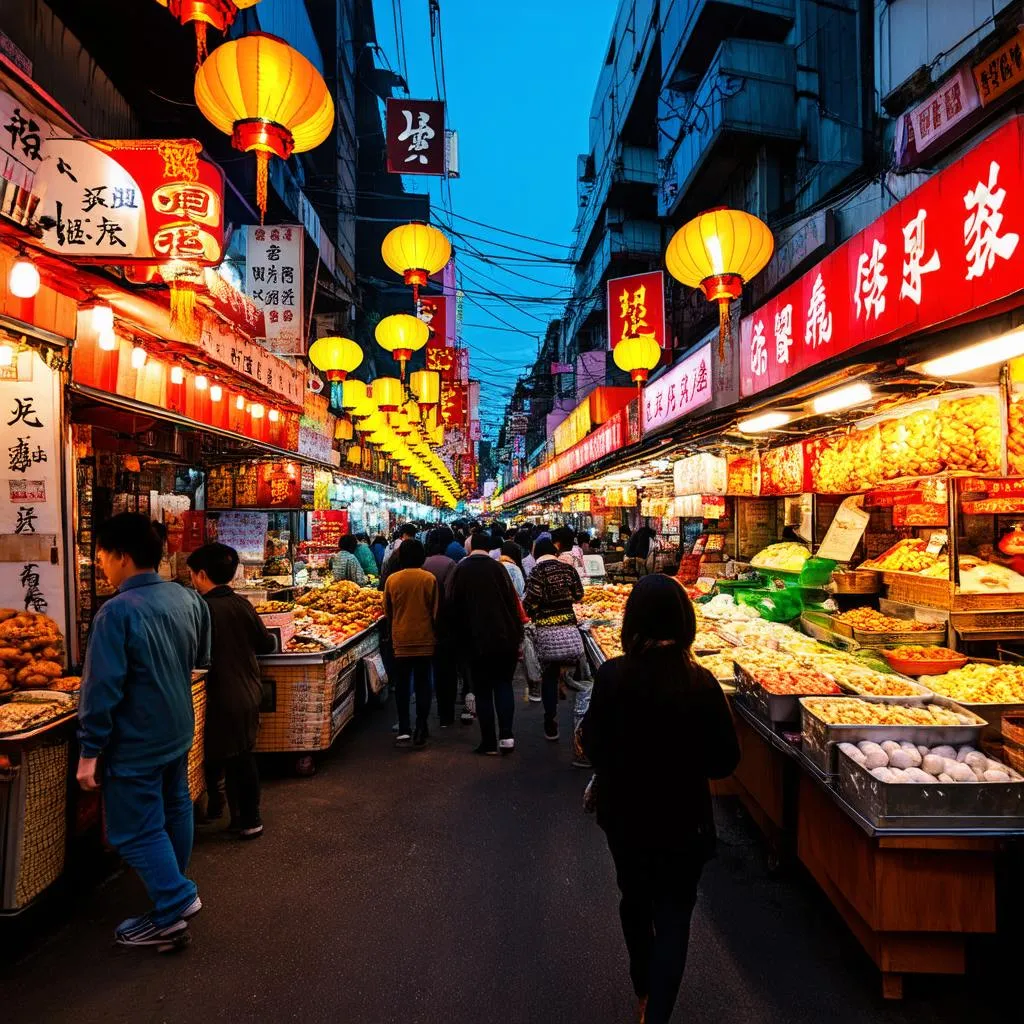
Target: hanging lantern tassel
[(201, 51), (724, 328), (183, 280), (262, 175)]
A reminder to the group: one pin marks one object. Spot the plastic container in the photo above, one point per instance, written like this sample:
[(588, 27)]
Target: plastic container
[(911, 667)]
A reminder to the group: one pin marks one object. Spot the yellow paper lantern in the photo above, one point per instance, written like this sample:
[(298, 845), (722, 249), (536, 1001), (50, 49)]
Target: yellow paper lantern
[(399, 423), (387, 393), (719, 251), (268, 97), (412, 411), (354, 395), (343, 430), (337, 357), (416, 251), (426, 386), (402, 334), (355, 455), (637, 356)]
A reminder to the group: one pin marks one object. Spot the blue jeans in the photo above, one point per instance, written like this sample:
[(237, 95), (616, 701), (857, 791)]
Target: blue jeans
[(149, 822)]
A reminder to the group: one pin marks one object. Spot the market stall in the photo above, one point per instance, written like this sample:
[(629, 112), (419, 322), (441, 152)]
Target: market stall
[(884, 787)]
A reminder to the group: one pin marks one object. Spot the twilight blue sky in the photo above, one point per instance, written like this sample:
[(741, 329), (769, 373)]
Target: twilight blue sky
[(520, 80)]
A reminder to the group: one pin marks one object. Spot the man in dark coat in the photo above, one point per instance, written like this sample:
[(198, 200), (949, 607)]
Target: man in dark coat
[(482, 614), (233, 689)]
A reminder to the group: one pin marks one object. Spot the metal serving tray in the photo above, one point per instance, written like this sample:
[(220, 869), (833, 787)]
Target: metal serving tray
[(956, 805), (820, 738), (777, 708), (921, 696)]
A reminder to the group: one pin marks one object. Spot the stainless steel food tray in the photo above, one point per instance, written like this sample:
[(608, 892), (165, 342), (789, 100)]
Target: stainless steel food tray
[(921, 696), (956, 805), (820, 738), (777, 708)]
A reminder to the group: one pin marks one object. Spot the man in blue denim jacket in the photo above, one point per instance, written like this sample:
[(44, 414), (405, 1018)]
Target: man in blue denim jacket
[(136, 723)]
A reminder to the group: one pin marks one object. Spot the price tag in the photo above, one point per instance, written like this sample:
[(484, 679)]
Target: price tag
[(845, 532), (938, 540), (593, 565), (705, 584)]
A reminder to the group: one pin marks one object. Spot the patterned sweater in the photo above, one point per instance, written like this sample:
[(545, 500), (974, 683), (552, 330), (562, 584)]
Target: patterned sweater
[(551, 589)]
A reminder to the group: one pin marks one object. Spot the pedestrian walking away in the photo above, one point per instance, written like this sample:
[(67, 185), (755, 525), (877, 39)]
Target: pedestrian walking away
[(136, 723), (410, 605), (445, 666), (233, 690), (484, 604), (551, 590), (650, 790)]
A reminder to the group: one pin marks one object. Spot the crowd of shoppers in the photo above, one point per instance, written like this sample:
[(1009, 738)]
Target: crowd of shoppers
[(457, 602)]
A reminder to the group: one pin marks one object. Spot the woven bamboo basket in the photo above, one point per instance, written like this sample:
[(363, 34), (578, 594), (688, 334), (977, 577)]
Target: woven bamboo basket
[(196, 756), (35, 833)]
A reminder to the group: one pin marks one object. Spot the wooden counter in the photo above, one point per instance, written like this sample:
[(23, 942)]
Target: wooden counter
[(912, 901)]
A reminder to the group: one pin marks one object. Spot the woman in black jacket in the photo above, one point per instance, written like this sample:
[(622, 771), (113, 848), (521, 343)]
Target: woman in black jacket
[(657, 729)]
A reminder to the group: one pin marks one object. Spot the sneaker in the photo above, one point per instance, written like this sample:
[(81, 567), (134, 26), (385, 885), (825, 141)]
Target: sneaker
[(581, 762), (446, 723), (507, 746), (420, 736), (141, 931), (403, 739), (535, 698), (254, 832), (489, 751), (192, 909), (550, 729)]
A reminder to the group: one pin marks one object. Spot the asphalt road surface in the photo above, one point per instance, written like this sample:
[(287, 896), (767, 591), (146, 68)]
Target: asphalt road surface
[(426, 887)]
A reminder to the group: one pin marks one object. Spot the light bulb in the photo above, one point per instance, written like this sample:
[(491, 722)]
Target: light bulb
[(273, 415), (102, 318), (108, 341), (257, 411), (240, 403), (201, 383), (763, 422), (23, 280), (6, 355), (138, 358), (177, 375), (216, 393)]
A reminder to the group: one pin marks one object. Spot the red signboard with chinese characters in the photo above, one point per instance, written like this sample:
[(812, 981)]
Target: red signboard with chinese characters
[(687, 386), (433, 311), (636, 308), (948, 250), (1001, 487), (453, 404), (132, 201), (443, 360), (415, 136)]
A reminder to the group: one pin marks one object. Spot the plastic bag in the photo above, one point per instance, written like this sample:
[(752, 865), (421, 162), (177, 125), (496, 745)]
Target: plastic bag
[(530, 660)]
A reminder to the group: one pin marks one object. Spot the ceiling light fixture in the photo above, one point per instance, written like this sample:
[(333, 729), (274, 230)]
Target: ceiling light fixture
[(762, 422), (842, 398), (975, 357)]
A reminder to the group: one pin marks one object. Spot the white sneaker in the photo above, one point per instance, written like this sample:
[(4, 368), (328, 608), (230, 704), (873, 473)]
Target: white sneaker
[(507, 746)]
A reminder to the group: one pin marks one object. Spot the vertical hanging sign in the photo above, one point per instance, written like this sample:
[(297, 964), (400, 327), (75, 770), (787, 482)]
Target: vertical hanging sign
[(273, 278), (31, 519)]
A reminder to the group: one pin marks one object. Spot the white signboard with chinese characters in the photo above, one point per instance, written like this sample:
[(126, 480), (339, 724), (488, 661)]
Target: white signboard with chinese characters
[(24, 139), (687, 386), (273, 278), (31, 513)]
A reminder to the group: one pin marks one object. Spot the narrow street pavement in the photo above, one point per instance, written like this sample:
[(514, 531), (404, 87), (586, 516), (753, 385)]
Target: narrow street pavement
[(432, 887)]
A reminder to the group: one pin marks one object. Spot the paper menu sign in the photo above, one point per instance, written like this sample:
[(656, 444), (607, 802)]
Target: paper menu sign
[(845, 532), (938, 540), (593, 565)]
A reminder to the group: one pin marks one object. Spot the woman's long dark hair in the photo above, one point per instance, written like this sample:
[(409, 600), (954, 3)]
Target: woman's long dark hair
[(512, 550), (639, 545), (658, 612)]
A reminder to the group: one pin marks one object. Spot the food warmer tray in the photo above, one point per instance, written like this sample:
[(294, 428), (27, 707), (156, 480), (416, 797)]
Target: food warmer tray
[(776, 708), (947, 806), (820, 738)]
